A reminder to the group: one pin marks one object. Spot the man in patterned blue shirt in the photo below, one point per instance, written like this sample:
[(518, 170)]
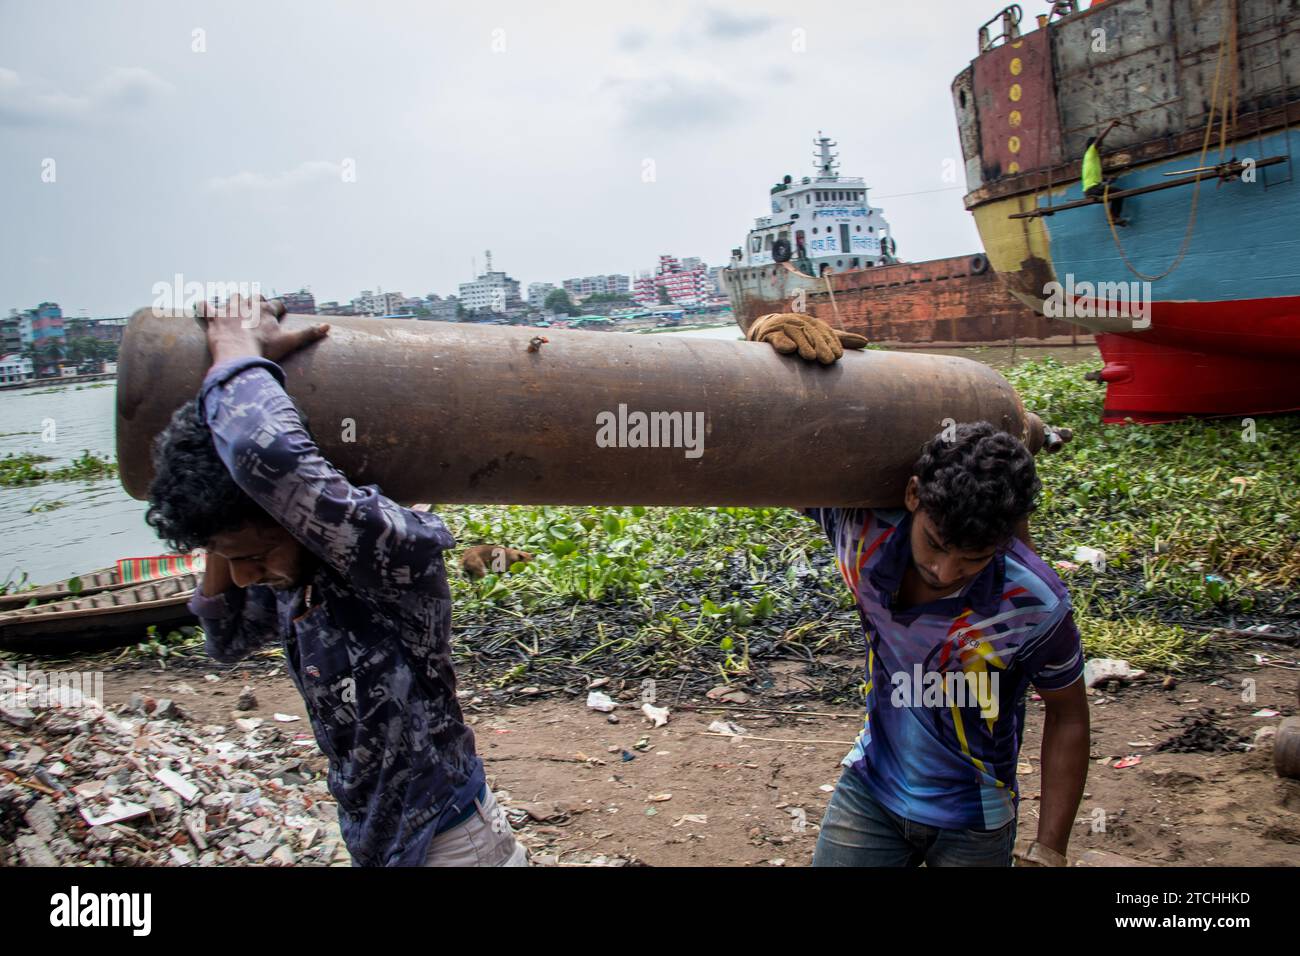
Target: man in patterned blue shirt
[(352, 584), (960, 617)]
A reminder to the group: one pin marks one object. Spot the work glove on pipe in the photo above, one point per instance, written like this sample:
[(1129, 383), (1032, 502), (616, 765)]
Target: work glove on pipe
[(813, 339)]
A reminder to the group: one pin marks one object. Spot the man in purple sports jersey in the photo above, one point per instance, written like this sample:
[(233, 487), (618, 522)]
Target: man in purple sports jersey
[(960, 618)]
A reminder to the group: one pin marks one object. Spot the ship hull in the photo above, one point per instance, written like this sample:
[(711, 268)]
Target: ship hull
[(957, 301), (1218, 332), (1201, 309), (1148, 382)]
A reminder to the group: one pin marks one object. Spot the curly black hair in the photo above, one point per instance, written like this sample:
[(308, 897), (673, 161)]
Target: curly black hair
[(192, 497), (977, 485)]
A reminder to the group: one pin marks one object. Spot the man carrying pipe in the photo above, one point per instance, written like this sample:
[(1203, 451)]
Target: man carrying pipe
[(352, 584), (960, 617)]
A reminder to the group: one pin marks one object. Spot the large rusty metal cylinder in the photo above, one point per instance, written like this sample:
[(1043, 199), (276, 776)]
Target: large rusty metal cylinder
[(459, 413)]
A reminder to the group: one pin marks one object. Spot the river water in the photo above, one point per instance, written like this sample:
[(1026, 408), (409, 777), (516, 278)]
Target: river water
[(98, 523)]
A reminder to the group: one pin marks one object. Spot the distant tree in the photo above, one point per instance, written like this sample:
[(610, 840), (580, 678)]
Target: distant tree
[(43, 354), (558, 300), (664, 297), (82, 349)]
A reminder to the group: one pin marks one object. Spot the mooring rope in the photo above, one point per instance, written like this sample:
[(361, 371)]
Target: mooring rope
[(1228, 45)]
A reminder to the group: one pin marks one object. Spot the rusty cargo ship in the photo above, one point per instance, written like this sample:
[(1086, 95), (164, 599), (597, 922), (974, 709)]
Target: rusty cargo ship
[(1188, 112), (825, 250)]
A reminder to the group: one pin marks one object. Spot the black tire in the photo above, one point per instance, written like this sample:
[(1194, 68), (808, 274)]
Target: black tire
[(979, 265), (781, 250)]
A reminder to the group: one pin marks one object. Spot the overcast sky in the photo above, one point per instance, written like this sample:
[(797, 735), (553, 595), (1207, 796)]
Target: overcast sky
[(343, 146)]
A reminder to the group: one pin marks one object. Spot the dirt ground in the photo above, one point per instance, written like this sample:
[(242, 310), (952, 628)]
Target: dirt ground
[(687, 798)]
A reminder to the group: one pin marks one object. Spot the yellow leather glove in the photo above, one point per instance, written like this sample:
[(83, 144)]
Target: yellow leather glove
[(813, 339)]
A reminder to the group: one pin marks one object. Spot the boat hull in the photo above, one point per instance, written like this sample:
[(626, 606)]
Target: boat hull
[(939, 303), (1148, 382), (110, 618), (1213, 265), (1229, 310)]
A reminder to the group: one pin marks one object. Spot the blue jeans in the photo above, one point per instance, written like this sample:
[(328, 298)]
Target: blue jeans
[(860, 831)]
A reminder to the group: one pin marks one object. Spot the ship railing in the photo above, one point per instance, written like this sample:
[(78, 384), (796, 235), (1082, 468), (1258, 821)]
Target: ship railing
[(1225, 172), (1009, 24)]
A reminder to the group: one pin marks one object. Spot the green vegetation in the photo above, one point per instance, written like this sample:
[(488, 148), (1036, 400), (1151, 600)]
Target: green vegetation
[(22, 469), (164, 646), (557, 300), (1198, 519), (645, 591), (12, 585), (25, 469), (609, 298)]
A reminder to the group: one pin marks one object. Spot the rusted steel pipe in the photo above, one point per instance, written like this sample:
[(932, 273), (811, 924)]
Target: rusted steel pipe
[(458, 413)]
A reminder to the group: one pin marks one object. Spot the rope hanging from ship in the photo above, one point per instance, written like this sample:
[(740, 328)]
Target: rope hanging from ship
[(1227, 119)]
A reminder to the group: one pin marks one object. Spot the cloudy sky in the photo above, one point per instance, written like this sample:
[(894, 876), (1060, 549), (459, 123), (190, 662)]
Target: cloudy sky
[(343, 145)]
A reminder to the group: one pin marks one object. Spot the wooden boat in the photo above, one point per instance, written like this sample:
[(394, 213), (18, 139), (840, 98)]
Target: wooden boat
[(113, 616), (91, 583), (126, 572)]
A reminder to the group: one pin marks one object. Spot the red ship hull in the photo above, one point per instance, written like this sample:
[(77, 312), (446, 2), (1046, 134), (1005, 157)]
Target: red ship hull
[(1205, 358)]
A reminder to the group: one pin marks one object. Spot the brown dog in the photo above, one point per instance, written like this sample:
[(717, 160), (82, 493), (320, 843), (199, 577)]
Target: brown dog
[(482, 558)]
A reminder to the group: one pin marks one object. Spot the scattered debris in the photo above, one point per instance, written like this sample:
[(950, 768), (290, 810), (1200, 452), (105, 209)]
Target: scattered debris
[(659, 715), (1091, 556), (728, 728), (14, 712), (115, 812), (550, 813), (247, 699), (1132, 760), (602, 702), (179, 784), (728, 695), (1203, 734), (1101, 669), (89, 786)]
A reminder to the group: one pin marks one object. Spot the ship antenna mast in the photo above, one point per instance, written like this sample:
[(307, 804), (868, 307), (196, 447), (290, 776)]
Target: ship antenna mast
[(827, 162)]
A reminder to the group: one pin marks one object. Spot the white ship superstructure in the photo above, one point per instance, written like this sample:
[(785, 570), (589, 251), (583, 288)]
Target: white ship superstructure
[(823, 222)]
